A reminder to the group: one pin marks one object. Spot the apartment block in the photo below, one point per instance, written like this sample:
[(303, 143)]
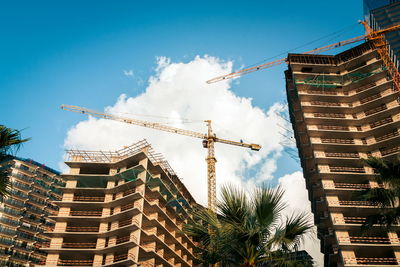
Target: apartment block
[(121, 208), (24, 214), (344, 108)]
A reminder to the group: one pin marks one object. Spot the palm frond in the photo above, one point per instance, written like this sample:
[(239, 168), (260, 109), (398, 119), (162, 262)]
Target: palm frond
[(233, 205), (293, 231), (382, 196), (268, 204), (10, 140)]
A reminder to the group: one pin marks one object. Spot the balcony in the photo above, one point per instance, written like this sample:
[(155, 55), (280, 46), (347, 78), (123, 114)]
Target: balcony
[(381, 122), (337, 141), (330, 115), (369, 261), (89, 199), (368, 240), (351, 186), (73, 262), (341, 155), (375, 110), (333, 127), (387, 136), (325, 104), (321, 92), (365, 87), (122, 239), (346, 169), (85, 213), (352, 203), (388, 151), (82, 229), (370, 98)]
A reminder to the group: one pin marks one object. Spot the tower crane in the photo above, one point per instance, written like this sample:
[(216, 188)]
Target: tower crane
[(377, 37), (208, 138)]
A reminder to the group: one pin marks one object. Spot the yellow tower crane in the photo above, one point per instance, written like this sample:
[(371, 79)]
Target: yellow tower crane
[(208, 142), (377, 37)]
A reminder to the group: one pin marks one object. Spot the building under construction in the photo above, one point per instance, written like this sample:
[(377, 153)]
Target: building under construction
[(344, 108), (24, 213), (122, 208)]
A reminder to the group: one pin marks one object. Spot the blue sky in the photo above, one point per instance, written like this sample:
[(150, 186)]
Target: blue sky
[(75, 52)]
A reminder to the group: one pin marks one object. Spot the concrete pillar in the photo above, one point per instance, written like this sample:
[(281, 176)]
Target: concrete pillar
[(103, 227), (64, 211), (74, 170), (144, 162), (393, 237), (108, 197), (56, 242), (101, 242), (343, 237), (332, 200), (71, 183), (337, 218), (68, 197), (114, 225), (349, 257), (98, 260), (52, 259), (110, 184), (60, 227), (109, 258), (397, 255), (106, 212), (328, 184), (112, 241)]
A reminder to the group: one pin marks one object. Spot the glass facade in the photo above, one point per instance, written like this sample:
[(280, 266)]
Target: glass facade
[(381, 14)]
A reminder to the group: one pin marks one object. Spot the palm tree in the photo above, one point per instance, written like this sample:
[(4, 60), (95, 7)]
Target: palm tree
[(248, 231), (10, 142), (387, 196)]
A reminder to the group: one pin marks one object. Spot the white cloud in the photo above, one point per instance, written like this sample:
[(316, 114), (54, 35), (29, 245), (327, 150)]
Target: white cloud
[(128, 73), (296, 197), (179, 91)]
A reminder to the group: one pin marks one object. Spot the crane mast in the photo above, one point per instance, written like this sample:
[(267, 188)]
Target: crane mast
[(209, 140)]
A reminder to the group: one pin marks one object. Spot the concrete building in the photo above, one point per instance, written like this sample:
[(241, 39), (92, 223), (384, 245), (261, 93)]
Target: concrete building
[(24, 213), (381, 14), (344, 108), (122, 208)]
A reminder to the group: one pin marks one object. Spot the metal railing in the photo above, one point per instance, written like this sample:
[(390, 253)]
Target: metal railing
[(370, 261), (330, 115), (370, 98), (341, 155), (333, 127), (387, 151), (88, 199), (346, 169), (387, 136), (352, 203), (337, 141), (381, 122), (375, 110), (82, 229)]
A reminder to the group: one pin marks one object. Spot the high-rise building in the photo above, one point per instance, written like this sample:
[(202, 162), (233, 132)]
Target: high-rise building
[(24, 214), (381, 14), (122, 208), (344, 108)]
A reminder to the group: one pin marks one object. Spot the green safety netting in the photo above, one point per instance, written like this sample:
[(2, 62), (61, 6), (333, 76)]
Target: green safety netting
[(101, 180), (321, 80)]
